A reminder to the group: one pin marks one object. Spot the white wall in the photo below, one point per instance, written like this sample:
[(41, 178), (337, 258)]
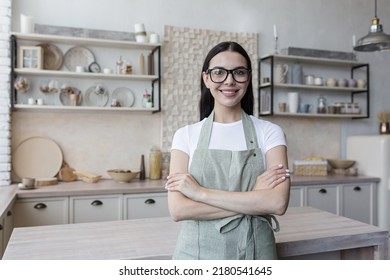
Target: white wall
[(318, 24)]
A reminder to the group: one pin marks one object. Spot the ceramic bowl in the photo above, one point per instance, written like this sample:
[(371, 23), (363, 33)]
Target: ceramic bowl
[(123, 175), (29, 183), (341, 163)]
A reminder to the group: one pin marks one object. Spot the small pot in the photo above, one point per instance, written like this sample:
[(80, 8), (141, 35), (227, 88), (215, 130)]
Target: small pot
[(29, 183)]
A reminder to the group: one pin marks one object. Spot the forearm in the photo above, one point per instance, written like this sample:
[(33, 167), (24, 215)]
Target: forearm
[(257, 202), (183, 208)]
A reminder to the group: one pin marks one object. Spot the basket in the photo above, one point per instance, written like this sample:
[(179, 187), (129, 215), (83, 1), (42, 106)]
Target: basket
[(310, 168)]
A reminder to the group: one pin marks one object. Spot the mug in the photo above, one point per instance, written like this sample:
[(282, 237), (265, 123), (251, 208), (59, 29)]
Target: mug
[(361, 83), (281, 73), (282, 107), (331, 82), (293, 102), (304, 108), (80, 69), (342, 82), (352, 83), (309, 79), (318, 81)]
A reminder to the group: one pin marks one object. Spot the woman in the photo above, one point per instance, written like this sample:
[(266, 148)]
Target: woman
[(228, 172)]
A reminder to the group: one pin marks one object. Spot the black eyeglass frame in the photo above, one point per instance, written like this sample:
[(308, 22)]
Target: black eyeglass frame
[(231, 71)]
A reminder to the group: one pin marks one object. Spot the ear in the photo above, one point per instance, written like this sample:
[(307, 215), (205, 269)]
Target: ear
[(205, 78)]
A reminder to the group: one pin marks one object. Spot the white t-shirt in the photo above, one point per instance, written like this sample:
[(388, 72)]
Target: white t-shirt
[(229, 136)]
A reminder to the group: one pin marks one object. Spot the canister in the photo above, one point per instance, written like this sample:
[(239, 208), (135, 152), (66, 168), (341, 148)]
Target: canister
[(155, 164)]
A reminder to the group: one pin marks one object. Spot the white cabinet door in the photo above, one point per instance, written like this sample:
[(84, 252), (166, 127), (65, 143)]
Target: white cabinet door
[(137, 206), (41, 211), (2, 247), (99, 208), (297, 197), (323, 198), (358, 202), (8, 225)]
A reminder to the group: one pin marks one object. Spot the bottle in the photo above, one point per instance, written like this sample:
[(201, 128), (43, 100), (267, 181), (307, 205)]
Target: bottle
[(155, 164), (141, 64), (119, 65), (321, 107), (142, 168)]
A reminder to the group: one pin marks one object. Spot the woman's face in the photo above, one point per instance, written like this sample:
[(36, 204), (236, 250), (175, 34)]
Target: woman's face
[(229, 92)]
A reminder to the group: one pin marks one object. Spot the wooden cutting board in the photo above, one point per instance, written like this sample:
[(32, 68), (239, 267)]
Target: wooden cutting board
[(37, 157), (41, 182)]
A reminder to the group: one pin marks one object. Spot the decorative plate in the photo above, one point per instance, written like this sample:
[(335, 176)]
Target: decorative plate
[(37, 157), (78, 56), (93, 98), (124, 96), (52, 57)]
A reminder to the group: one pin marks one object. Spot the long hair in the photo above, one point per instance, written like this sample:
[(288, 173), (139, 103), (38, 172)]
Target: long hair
[(206, 103)]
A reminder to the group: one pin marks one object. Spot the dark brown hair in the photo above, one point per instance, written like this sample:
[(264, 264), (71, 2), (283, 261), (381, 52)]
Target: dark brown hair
[(206, 103)]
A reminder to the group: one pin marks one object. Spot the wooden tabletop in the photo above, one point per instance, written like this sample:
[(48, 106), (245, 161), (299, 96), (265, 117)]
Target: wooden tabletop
[(304, 231)]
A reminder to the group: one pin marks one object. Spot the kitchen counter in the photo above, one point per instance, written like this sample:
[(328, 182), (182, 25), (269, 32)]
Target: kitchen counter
[(306, 233), (106, 186)]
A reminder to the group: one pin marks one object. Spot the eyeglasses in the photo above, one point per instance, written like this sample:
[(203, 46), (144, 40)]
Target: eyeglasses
[(219, 75)]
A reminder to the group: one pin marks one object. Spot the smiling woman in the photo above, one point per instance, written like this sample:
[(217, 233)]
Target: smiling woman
[(228, 173)]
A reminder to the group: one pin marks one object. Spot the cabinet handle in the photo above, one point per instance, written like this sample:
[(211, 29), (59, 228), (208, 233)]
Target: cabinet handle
[(150, 201), (40, 206), (9, 213), (357, 188), (322, 191), (96, 203)]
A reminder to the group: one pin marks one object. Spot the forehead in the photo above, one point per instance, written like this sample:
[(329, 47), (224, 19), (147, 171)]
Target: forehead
[(228, 60)]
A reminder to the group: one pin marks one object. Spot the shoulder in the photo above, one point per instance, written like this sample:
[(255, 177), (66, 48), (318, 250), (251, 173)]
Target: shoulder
[(186, 137), (190, 129), (269, 134), (264, 125)]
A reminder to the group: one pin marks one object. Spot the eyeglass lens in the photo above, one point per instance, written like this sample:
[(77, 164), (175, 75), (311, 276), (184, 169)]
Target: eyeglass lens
[(219, 75)]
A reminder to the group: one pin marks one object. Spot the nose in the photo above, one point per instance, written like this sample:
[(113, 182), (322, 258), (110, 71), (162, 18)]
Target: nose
[(230, 79)]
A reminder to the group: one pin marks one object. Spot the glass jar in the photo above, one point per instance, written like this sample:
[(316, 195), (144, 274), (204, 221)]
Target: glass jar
[(321, 106), (155, 164)]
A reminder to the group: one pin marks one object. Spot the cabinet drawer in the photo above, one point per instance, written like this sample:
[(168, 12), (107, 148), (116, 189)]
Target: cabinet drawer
[(323, 198), (139, 206), (357, 202), (85, 209), (41, 211)]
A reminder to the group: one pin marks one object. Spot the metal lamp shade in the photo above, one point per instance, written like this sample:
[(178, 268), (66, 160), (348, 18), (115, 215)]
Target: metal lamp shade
[(375, 40)]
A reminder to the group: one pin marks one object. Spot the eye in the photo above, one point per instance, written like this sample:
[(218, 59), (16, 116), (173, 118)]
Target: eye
[(240, 72), (219, 72)]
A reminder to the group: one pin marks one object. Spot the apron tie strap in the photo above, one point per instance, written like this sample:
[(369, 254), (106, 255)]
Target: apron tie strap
[(247, 239)]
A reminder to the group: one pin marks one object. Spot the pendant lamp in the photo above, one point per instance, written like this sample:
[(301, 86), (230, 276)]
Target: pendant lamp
[(375, 40)]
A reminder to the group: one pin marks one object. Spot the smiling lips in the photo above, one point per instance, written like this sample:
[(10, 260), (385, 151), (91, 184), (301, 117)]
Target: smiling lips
[(229, 92)]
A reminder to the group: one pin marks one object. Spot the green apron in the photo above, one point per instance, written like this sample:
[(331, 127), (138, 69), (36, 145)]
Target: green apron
[(239, 236)]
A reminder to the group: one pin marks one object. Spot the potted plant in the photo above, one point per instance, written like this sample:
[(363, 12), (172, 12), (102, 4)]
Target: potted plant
[(148, 102), (383, 118)]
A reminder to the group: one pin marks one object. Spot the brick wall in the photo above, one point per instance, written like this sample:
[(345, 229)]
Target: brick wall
[(5, 117)]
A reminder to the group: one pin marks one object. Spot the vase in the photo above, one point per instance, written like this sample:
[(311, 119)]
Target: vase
[(384, 128)]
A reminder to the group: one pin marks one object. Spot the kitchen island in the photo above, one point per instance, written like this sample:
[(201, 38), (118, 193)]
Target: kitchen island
[(306, 233)]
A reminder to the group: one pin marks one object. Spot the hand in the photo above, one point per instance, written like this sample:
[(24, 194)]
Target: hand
[(271, 178), (184, 183)]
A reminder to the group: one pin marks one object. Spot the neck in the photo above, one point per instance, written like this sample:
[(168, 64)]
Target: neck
[(227, 115)]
